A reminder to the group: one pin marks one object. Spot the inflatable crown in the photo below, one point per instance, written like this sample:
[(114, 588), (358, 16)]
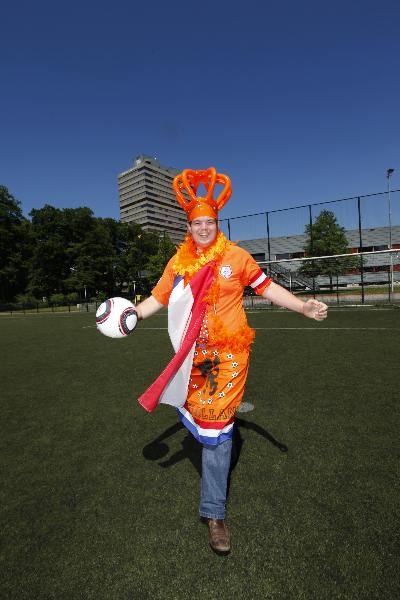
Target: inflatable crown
[(194, 206)]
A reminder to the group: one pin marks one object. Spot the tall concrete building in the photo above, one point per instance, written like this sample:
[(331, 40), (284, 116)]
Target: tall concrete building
[(146, 197)]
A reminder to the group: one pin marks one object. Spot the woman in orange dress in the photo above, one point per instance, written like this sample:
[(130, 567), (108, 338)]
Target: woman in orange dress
[(221, 353), (221, 356)]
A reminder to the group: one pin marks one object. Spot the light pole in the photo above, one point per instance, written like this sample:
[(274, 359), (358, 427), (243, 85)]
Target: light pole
[(389, 174)]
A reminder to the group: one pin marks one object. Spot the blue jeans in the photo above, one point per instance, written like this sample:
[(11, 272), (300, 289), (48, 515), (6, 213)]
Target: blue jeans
[(216, 461)]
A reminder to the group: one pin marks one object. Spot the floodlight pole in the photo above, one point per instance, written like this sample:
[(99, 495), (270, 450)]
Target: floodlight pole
[(389, 174), (361, 250), (311, 242)]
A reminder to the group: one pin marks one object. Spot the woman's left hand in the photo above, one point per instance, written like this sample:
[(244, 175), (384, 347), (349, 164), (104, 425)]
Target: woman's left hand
[(313, 309)]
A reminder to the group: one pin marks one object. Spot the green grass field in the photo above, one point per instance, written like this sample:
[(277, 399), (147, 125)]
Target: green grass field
[(89, 510)]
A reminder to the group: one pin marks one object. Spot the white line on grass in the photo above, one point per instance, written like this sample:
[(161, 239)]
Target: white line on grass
[(300, 328), (349, 308), (35, 316), (295, 328), (141, 328), (284, 328), (327, 328)]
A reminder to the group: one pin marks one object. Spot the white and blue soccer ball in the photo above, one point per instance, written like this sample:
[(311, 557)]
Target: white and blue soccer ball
[(116, 317)]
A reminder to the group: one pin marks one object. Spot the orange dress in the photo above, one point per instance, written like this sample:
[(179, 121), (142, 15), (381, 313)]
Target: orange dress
[(221, 357)]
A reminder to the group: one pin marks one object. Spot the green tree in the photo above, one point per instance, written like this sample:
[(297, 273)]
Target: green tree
[(91, 253), (327, 238), (74, 252), (114, 272), (69, 251), (156, 263), (138, 246), (14, 246), (49, 263)]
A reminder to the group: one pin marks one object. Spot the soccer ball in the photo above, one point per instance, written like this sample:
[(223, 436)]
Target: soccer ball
[(116, 317)]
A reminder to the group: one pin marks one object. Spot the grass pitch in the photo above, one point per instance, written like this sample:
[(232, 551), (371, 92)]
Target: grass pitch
[(99, 499)]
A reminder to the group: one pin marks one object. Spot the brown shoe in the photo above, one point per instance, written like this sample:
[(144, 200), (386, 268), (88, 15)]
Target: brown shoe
[(218, 535)]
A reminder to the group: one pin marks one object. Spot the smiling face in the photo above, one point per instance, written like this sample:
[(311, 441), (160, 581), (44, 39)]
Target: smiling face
[(203, 231)]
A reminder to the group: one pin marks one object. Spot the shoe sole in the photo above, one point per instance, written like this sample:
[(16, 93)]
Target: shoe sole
[(220, 552)]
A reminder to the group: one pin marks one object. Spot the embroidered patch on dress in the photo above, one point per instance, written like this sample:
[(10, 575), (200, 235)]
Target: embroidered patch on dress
[(226, 271)]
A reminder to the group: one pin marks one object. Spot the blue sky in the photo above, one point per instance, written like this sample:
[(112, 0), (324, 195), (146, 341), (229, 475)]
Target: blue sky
[(297, 102)]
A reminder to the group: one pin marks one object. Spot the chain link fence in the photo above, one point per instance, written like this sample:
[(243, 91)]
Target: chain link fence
[(356, 214)]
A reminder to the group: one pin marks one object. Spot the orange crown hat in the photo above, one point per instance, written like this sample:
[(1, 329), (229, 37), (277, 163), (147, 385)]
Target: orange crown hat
[(194, 207)]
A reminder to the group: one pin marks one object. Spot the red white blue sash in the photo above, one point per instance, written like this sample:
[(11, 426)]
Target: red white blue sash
[(186, 310)]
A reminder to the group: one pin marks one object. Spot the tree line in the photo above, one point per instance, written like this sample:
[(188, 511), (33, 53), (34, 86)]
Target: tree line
[(63, 255), (69, 254)]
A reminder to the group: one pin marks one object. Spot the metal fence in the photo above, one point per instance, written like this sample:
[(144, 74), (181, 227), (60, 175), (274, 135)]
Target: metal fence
[(357, 213), (49, 307), (341, 279), (276, 238)]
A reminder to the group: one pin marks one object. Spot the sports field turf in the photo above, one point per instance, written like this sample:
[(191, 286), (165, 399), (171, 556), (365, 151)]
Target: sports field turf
[(93, 506)]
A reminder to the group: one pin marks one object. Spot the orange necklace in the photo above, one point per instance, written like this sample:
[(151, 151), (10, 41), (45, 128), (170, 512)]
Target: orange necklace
[(187, 261)]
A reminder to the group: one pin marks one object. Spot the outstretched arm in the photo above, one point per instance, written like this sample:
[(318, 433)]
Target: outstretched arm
[(148, 307), (282, 297)]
